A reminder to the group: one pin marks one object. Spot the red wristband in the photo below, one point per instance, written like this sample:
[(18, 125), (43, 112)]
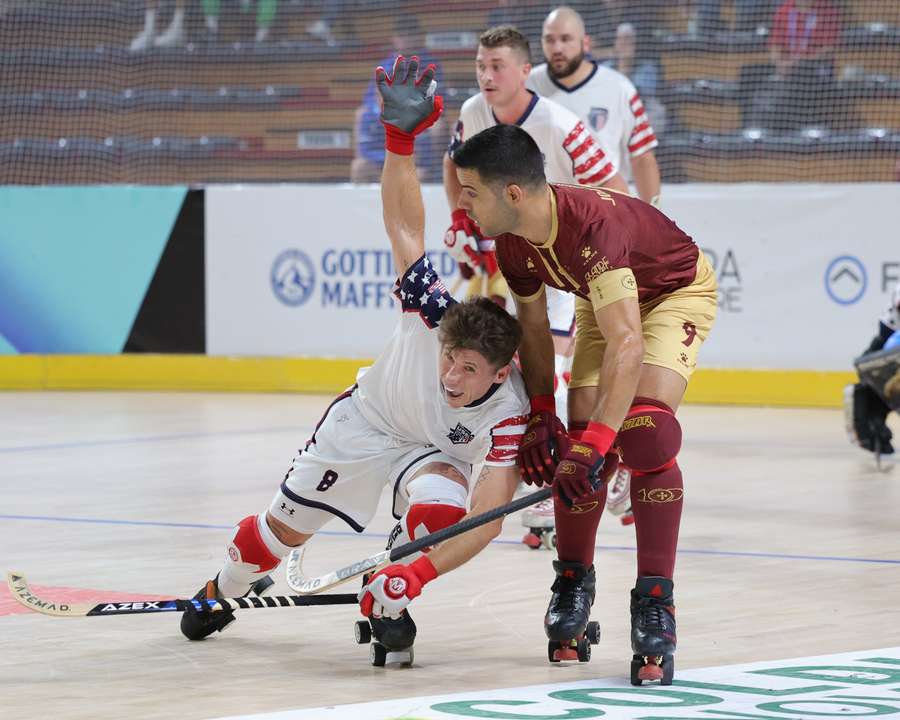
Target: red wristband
[(424, 569), (600, 436), (541, 403), (397, 141)]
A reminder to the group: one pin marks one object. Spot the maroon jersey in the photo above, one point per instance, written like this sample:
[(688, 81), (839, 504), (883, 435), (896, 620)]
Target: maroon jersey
[(603, 246)]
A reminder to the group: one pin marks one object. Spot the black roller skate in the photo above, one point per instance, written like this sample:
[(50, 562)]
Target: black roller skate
[(567, 622), (197, 624), (394, 638), (652, 631)]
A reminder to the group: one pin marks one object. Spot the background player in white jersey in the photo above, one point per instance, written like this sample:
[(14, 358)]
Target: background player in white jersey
[(572, 154), (603, 98), (442, 397)]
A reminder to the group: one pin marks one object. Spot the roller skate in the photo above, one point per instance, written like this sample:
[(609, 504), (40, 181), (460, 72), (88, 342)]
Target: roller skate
[(541, 524), (618, 496), (197, 624), (652, 631), (567, 622), (393, 641)]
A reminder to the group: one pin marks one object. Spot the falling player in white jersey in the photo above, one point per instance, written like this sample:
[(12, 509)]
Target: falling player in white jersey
[(612, 107), (572, 154), (442, 397)]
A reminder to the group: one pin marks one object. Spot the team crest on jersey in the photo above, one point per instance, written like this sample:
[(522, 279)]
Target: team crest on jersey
[(460, 435), (597, 118)]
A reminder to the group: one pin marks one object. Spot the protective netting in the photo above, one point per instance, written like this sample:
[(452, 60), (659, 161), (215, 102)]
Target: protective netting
[(199, 91)]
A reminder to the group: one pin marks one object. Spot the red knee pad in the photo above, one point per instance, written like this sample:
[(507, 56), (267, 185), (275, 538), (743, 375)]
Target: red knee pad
[(249, 547), (650, 437), (425, 518)]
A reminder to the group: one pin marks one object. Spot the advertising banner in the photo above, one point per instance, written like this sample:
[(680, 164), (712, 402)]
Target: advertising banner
[(804, 270)]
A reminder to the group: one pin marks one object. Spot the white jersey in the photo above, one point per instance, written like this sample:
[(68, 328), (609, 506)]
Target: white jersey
[(401, 394), (572, 154), (611, 106)]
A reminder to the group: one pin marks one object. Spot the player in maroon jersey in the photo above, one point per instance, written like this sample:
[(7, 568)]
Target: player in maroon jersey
[(645, 302)]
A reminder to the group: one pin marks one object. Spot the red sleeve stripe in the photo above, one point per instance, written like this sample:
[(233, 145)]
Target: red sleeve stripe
[(576, 131), (648, 143), (515, 420), (501, 458), (599, 178), (581, 149), (645, 125), (595, 157)]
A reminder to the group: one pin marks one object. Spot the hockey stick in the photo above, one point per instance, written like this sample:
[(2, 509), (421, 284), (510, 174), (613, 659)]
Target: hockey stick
[(18, 586), (303, 585)]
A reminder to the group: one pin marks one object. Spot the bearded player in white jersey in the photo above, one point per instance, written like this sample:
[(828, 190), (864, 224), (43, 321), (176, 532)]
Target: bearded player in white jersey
[(442, 397), (572, 154), (611, 106), (603, 98)]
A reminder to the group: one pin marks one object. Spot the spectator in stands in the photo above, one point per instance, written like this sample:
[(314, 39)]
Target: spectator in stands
[(172, 36), (802, 45), (265, 14), (407, 39), (643, 72)]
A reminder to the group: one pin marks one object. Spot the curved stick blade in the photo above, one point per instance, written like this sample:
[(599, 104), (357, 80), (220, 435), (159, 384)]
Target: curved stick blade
[(303, 585)]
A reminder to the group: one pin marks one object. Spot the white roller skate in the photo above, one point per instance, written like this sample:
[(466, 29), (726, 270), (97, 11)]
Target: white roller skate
[(618, 496), (541, 524)]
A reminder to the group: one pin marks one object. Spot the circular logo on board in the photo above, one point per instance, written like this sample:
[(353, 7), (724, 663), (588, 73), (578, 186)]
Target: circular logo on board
[(845, 280), (293, 277)]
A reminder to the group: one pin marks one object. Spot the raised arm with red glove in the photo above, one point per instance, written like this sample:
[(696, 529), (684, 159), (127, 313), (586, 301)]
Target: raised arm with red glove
[(406, 111), (390, 590)]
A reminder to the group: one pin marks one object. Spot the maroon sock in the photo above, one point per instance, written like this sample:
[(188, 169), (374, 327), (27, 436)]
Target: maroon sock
[(576, 527), (656, 500)]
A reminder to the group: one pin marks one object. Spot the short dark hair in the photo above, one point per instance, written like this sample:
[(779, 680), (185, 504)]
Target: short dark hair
[(506, 36), (480, 324), (503, 154)]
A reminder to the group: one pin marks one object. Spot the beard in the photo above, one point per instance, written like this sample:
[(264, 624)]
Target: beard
[(567, 69)]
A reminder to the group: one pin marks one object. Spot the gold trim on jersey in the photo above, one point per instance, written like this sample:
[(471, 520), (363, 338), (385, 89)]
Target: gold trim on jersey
[(612, 286), (556, 270), (529, 298), (554, 222)]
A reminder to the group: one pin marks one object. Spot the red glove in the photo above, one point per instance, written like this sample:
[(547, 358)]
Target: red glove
[(408, 106), (579, 474), (462, 239), (544, 441), (390, 590)]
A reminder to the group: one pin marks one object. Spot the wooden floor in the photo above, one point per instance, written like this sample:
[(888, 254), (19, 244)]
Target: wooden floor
[(789, 548)]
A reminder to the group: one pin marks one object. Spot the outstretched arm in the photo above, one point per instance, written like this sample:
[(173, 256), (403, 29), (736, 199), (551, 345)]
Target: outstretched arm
[(409, 106)]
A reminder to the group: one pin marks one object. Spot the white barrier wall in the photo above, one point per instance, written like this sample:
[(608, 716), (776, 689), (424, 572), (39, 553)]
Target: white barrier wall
[(804, 270)]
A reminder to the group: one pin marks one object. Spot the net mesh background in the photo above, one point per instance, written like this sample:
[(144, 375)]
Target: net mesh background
[(91, 91)]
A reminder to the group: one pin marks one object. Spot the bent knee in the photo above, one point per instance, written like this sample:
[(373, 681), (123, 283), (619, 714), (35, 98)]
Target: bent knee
[(284, 533), (650, 437), (443, 469)]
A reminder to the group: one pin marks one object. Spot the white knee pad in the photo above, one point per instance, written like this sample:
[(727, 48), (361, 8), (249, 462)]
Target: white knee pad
[(435, 502)]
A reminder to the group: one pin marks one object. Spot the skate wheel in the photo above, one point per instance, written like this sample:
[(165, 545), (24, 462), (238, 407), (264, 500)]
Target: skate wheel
[(583, 651), (548, 539), (377, 654), (637, 662), (552, 647), (592, 632), (668, 666), (627, 519), (532, 541), (363, 632)]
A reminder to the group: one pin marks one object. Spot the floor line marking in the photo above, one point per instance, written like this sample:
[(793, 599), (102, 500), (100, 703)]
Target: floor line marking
[(346, 533)]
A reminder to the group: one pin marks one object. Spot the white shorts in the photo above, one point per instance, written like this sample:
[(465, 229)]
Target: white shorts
[(344, 469), (561, 311)]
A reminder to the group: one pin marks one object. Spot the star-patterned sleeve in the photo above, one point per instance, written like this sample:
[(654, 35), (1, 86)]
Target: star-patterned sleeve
[(421, 291)]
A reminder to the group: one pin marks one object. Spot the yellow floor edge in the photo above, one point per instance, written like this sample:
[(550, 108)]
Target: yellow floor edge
[(789, 388)]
